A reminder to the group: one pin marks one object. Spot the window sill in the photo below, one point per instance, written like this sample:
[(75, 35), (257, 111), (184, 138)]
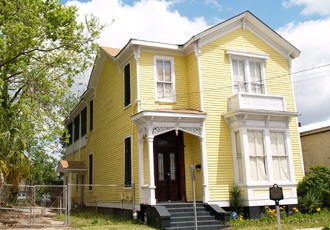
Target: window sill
[(164, 102)]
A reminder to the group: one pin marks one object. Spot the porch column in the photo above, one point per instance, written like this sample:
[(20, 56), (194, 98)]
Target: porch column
[(204, 168), (141, 168), (152, 186)]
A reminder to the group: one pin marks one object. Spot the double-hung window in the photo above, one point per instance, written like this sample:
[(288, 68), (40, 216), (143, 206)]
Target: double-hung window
[(91, 171), (76, 123), (279, 155), (83, 115), (257, 155), (247, 72), (164, 70), (70, 131), (239, 159), (127, 85), (128, 162)]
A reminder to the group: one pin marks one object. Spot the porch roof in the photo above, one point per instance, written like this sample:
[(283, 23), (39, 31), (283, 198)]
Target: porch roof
[(170, 113), (71, 166), (156, 122)]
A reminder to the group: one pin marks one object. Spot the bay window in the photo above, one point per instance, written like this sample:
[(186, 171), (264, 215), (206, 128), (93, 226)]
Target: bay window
[(261, 155)]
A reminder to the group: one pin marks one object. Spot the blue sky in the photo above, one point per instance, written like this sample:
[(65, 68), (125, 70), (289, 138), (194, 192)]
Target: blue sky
[(304, 23)]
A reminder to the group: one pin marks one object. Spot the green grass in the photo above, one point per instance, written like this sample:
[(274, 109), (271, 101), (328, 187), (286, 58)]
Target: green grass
[(297, 221), (89, 220)]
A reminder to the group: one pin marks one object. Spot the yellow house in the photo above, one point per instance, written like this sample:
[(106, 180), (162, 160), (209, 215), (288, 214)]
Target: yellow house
[(221, 106)]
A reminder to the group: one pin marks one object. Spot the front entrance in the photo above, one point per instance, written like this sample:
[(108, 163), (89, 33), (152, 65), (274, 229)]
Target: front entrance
[(169, 167)]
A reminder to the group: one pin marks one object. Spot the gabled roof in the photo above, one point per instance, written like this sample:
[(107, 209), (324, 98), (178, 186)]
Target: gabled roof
[(245, 20)]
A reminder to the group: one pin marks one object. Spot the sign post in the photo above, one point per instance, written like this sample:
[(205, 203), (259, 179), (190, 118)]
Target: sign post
[(276, 194)]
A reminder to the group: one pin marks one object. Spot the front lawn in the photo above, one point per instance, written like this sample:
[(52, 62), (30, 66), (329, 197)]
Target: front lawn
[(89, 220)]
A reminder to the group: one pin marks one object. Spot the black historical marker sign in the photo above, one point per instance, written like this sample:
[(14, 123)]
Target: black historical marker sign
[(275, 193)]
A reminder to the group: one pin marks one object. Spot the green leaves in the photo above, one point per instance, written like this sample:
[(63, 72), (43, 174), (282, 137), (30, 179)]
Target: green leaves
[(43, 49)]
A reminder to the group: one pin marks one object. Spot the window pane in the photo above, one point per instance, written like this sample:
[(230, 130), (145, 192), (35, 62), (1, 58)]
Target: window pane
[(281, 168), (159, 66), (167, 71), (168, 90), (172, 166), (160, 167), (239, 156), (256, 78), (257, 155), (160, 90)]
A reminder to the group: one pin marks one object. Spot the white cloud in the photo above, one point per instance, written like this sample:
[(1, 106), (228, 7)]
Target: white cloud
[(214, 3), (146, 20), (321, 7), (311, 87)]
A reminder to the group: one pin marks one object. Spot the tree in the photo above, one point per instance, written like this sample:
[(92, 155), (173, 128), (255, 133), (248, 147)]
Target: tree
[(43, 49)]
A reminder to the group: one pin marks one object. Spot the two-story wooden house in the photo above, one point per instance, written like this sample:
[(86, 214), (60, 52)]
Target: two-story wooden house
[(222, 102)]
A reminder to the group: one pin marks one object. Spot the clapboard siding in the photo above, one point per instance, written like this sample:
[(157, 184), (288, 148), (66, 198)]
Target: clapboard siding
[(217, 87)]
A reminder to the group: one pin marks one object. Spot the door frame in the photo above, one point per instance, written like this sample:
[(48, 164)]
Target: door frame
[(178, 147)]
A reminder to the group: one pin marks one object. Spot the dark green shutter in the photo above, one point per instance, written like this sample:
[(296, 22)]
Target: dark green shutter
[(127, 82)]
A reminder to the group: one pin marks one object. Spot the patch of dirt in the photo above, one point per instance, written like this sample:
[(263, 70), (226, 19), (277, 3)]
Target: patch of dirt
[(37, 218)]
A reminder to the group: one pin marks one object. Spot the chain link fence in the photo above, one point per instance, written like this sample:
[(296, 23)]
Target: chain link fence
[(33, 206), (37, 206)]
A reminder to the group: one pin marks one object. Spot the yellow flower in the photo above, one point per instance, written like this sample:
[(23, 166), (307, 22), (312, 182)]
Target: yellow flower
[(295, 210), (318, 209), (281, 208)]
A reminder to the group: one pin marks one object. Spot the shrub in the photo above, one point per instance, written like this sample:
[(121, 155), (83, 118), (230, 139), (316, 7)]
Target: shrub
[(236, 200), (314, 190)]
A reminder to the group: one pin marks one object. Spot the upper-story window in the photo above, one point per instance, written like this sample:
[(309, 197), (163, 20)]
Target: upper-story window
[(70, 131), (127, 85), (91, 115), (83, 122), (164, 70), (76, 123), (247, 72)]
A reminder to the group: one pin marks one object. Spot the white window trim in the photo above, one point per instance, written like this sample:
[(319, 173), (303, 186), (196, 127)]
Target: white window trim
[(246, 57), (171, 59), (247, 54)]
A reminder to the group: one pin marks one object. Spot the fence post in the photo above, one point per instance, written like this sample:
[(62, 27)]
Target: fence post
[(69, 202)]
